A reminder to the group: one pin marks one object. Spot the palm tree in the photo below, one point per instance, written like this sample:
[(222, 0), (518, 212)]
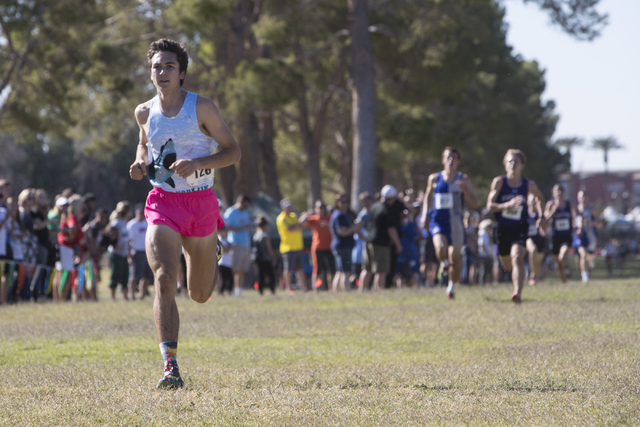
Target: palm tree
[(567, 144), (606, 144)]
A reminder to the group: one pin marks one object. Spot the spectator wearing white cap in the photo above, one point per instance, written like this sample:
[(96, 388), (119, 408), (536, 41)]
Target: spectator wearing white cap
[(382, 230), (53, 217)]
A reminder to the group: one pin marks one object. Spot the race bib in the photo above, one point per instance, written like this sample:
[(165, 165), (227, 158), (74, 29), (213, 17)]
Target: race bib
[(563, 224), (513, 213), (533, 230), (201, 178), (443, 201)]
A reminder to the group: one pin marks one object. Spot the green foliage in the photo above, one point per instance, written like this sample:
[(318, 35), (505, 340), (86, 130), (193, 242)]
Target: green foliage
[(456, 83), (261, 83), (444, 76)]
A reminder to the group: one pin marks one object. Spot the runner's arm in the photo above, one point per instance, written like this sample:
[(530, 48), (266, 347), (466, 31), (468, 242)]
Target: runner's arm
[(549, 209), (469, 195), (138, 169), (211, 124), (426, 202), (492, 204), (533, 189)]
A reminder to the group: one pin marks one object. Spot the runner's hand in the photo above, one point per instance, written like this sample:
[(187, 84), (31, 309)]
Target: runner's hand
[(184, 167), (138, 170), (463, 185), (515, 202)]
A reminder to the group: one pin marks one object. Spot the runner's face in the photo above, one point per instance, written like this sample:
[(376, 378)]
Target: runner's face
[(450, 159), (558, 192), (582, 198), (165, 71), (513, 164)]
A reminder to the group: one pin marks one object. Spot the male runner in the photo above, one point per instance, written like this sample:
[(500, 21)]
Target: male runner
[(561, 214), (536, 241), (442, 211), (179, 132), (508, 200), (586, 238)]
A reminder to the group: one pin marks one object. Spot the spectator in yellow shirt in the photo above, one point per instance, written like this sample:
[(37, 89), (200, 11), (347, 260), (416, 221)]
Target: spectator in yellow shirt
[(291, 245)]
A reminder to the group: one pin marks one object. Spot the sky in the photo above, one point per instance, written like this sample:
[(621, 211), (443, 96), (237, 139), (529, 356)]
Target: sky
[(595, 85)]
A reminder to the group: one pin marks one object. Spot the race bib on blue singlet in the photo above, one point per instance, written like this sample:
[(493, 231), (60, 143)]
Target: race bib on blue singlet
[(563, 224), (513, 213), (443, 201)]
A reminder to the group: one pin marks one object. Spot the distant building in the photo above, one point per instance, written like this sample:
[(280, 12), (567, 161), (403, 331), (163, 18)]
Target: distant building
[(620, 189)]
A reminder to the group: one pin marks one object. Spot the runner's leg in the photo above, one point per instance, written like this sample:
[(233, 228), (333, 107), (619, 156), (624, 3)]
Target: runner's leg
[(202, 263), (163, 249), (517, 262)]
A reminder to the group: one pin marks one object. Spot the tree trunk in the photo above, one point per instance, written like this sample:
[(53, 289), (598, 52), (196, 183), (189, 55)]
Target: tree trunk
[(363, 101), (268, 159), (249, 183), (312, 152), (346, 164), (227, 177)]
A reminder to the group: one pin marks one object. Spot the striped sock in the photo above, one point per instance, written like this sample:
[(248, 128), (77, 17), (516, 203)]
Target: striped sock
[(169, 350)]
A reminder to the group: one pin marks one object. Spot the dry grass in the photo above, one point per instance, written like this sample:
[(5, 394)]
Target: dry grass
[(568, 355)]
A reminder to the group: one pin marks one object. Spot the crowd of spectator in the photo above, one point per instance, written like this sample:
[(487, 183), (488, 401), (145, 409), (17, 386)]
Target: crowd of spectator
[(381, 246), (53, 249)]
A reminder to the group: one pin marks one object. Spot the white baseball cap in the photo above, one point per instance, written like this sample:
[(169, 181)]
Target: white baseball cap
[(62, 201), (285, 203), (389, 191)]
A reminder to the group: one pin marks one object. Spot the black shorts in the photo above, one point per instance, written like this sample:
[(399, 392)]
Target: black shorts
[(324, 262), (539, 241), (428, 251), (558, 241), (509, 235)]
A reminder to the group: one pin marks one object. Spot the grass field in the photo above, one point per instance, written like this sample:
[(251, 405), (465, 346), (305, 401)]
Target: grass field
[(568, 355)]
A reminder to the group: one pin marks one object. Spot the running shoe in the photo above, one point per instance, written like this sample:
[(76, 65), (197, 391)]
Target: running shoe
[(532, 282), (451, 294), (171, 379), (516, 298), (220, 250), (443, 277)]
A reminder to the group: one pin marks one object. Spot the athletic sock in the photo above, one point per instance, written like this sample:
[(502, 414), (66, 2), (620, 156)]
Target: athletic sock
[(585, 276), (450, 288), (169, 350)]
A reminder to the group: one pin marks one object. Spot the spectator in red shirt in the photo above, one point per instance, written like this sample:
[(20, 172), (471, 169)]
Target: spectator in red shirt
[(323, 261), (71, 240)]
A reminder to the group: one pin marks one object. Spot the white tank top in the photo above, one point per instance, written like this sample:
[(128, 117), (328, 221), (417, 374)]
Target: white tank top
[(174, 138)]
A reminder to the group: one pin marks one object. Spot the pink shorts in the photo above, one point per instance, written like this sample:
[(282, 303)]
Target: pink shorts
[(194, 214)]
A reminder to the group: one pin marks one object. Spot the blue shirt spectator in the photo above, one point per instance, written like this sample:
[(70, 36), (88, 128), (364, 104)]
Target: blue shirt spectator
[(339, 220), (235, 218)]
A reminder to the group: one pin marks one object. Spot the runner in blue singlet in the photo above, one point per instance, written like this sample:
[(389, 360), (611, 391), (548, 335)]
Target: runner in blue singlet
[(536, 241), (585, 238), (560, 212), (508, 201), (443, 207)]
